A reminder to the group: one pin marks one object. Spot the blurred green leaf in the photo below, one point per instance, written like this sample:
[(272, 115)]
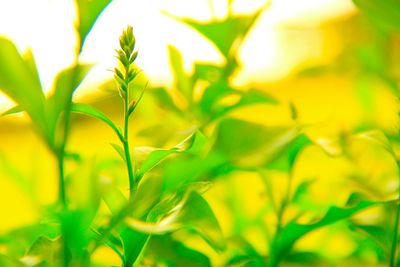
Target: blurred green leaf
[(249, 144), (148, 194), (192, 213), (120, 150), (213, 94), (293, 231), (92, 112), (248, 98), (13, 110), (227, 33), (88, 11), (163, 249), (19, 82), (133, 243), (182, 81), (65, 84), (192, 144), (383, 13), (9, 262), (75, 225)]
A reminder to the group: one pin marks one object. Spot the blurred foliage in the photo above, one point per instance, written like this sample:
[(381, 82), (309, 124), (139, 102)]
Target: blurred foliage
[(208, 180)]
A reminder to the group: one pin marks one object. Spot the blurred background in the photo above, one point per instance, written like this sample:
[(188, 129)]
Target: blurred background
[(324, 60)]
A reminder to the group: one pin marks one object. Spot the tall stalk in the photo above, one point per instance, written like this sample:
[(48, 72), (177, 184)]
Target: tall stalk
[(126, 56)]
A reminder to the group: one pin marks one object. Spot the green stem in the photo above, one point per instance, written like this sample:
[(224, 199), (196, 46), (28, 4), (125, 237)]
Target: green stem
[(393, 252), (126, 144), (62, 197)]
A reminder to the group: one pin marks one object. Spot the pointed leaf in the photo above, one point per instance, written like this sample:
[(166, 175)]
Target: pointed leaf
[(293, 231), (192, 213), (88, 11), (193, 144), (19, 82), (92, 112)]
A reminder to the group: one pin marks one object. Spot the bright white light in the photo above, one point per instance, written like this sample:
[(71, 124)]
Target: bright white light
[(47, 27)]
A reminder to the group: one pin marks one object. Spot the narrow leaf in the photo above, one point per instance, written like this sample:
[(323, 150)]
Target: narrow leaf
[(92, 112)]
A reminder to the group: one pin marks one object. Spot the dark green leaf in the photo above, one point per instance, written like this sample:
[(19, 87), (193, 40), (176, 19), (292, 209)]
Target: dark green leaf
[(133, 243)]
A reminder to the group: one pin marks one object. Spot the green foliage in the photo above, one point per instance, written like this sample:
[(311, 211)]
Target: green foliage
[(169, 185)]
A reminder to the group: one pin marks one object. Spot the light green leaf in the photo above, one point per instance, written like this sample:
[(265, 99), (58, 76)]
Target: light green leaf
[(13, 110), (248, 98), (88, 11), (193, 144), (182, 80), (293, 231), (19, 82), (9, 262), (250, 145), (65, 85), (227, 33), (384, 13), (166, 249), (213, 94), (119, 150), (192, 213), (115, 200), (92, 112)]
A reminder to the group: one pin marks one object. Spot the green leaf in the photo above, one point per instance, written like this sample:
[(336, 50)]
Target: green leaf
[(384, 13), (88, 11), (148, 194), (293, 231), (227, 33), (182, 80), (75, 225), (133, 244), (119, 150), (9, 262), (213, 94), (376, 137), (92, 112), (135, 103), (65, 85), (165, 100), (192, 213), (13, 110), (165, 249), (249, 144), (248, 98), (19, 82), (193, 144), (115, 200)]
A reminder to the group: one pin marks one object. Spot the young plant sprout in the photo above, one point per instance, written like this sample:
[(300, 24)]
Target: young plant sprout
[(124, 77)]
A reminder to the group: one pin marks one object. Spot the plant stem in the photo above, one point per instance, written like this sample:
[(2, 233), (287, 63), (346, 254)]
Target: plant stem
[(126, 144), (62, 197), (393, 252)]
